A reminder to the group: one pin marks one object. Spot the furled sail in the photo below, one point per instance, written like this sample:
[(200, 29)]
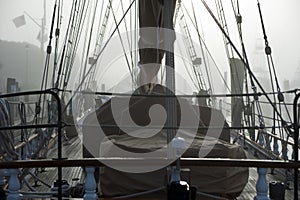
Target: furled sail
[(237, 71)]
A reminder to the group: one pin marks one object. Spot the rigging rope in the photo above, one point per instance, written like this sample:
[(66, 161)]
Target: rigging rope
[(208, 51), (208, 72), (99, 37), (6, 136), (239, 55), (129, 44), (90, 39), (46, 70), (64, 49), (248, 118), (100, 53), (122, 44), (272, 71), (189, 47), (57, 34)]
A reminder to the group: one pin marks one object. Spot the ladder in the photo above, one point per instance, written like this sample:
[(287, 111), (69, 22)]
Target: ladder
[(196, 60), (102, 30), (223, 22), (99, 43)]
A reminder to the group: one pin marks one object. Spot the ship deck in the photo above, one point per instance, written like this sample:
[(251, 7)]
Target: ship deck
[(73, 149)]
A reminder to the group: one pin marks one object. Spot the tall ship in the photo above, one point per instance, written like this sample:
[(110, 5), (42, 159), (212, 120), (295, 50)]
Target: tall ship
[(133, 104)]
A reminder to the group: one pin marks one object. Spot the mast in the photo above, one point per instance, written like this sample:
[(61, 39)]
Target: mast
[(170, 72)]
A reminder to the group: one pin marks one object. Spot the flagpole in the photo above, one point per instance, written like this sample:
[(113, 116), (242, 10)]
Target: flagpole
[(42, 27)]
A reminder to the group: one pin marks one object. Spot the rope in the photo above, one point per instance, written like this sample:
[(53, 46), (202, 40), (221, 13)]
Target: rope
[(123, 48), (208, 72), (243, 60), (90, 39), (82, 81), (258, 94), (57, 34), (201, 40), (7, 149), (272, 70)]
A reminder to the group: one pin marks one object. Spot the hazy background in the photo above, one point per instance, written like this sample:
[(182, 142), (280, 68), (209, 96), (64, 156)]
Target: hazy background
[(20, 55)]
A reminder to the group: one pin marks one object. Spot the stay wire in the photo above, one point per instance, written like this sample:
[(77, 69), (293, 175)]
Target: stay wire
[(77, 36), (268, 52), (98, 42), (80, 21), (65, 60), (64, 46), (230, 56), (187, 46), (102, 29), (89, 80), (239, 55), (238, 17), (208, 72), (71, 38), (210, 55), (127, 36), (100, 53), (57, 34), (122, 44), (46, 68), (229, 50), (90, 36), (204, 60), (101, 57), (239, 25), (75, 41)]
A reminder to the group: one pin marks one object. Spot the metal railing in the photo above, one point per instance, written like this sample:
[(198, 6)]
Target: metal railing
[(220, 162), (57, 125)]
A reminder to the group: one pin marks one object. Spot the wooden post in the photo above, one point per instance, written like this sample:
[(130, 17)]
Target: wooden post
[(262, 185), (14, 185), (275, 146), (284, 150), (260, 137), (90, 184), (268, 142)]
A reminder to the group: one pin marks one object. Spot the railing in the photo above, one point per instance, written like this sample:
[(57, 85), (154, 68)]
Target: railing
[(90, 164), (270, 136), (14, 185), (57, 125)]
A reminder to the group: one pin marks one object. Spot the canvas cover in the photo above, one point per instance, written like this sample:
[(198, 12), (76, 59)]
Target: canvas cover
[(237, 71), (219, 180)]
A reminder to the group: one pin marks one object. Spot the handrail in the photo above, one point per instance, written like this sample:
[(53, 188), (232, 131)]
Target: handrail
[(58, 126), (261, 149), (2, 128), (262, 102), (59, 162), (209, 95), (265, 102), (96, 162), (17, 102)]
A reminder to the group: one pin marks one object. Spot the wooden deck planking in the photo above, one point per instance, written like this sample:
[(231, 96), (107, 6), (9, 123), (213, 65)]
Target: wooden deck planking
[(71, 149), (249, 191)]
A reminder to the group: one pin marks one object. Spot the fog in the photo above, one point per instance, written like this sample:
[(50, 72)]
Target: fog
[(280, 18)]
